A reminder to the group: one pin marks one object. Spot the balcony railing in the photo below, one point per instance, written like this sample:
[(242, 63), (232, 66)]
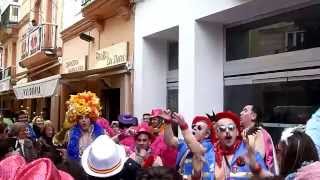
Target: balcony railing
[(10, 15), (6, 72), (39, 38)]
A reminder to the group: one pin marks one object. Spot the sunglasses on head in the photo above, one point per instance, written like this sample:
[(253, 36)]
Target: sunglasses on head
[(225, 128), (196, 126)]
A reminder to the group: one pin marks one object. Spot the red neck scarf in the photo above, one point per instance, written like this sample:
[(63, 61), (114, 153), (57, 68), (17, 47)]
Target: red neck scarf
[(221, 150), (148, 162)]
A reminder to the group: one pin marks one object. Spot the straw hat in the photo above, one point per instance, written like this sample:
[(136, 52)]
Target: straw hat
[(103, 158)]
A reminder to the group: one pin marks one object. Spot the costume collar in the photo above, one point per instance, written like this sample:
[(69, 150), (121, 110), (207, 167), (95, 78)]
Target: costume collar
[(221, 150)]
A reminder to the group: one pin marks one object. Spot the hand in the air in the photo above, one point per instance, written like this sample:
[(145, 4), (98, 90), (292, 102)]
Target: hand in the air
[(166, 115), (179, 119)]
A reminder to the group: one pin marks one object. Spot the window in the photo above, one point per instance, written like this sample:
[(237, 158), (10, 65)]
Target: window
[(283, 104), (173, 56), (290, 31), (14, 14)]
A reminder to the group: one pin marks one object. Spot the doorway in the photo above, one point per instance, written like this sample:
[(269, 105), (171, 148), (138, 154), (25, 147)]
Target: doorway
[(111, 107)]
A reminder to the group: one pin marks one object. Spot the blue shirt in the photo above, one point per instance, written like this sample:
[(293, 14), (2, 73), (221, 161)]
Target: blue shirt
[(186, 166), (235, 168)]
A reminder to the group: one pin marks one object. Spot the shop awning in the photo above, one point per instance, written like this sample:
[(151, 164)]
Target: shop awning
[(45, 87), (5, 85), (94, 73)]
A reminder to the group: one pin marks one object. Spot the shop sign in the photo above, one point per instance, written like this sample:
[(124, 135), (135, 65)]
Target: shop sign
[(5, 85), (111, 56), (73, 65), (34, 41), (24, 46), (37, 89)]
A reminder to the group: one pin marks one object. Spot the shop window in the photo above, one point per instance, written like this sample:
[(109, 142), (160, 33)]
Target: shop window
[(283, 104), (173, 51), (172, 99), (289, 31), (173, 104)]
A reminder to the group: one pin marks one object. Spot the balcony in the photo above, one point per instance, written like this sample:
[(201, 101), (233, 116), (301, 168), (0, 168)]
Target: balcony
[(6, 73), (39, 45), (9, 19), (103, 9)]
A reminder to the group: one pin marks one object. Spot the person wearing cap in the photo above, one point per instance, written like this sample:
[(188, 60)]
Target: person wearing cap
[(125, 136), (43, 169), (197, 143), (83, 110), (10, 165), (258, 138), (167, 153), (231, 152), (156, 121), (104, 159), (143, 153)]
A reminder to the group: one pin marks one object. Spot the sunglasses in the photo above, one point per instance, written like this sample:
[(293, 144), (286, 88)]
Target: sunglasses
[(197, 127), (226, 128)]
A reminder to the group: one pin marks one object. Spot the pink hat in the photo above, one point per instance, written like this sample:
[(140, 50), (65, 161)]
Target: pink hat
[(156, 113), (144, 128), (10, 165), (43, 169)]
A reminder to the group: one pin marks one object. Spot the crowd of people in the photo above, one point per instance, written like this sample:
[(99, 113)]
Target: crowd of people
[(216, 146)]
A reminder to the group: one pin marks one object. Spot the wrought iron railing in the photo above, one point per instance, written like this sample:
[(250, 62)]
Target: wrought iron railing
[(5, 72), (39, 38), (10, 15)]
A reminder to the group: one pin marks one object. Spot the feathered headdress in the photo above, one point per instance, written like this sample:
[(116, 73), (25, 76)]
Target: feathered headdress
[(83, 104), (212, 117)]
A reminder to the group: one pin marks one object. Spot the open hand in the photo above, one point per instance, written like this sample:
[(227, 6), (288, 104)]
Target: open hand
[(166, 115), (179, 119)]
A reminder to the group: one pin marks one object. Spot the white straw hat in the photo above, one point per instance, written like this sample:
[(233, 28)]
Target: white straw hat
[(103, 158)]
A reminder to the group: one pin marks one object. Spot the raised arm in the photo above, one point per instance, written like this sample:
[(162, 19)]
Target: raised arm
[(169, 137), (195, 146)]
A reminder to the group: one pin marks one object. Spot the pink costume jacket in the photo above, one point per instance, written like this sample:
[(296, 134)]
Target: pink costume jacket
[(167, 154), (270, 154)]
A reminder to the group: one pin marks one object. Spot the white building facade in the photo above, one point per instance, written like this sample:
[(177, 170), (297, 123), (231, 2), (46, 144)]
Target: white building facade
[(196, 56)]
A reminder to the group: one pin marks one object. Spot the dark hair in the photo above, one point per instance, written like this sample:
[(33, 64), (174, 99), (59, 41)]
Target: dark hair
[(299, 149), (255, 109), (4, 148), (146, 114), (158, 173), (2, 128)]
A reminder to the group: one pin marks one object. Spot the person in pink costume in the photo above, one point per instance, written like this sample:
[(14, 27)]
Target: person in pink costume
[(104, 123), (143, 153), (125, 136), (258, 138), (167, 153)]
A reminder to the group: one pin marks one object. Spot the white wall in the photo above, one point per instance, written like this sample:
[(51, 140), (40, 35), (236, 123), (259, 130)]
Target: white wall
[(201, 48), (209, 67), (150, 77), (196, 65)]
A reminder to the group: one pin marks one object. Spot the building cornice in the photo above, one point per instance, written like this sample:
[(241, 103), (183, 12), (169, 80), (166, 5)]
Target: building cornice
[(75, 29)]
